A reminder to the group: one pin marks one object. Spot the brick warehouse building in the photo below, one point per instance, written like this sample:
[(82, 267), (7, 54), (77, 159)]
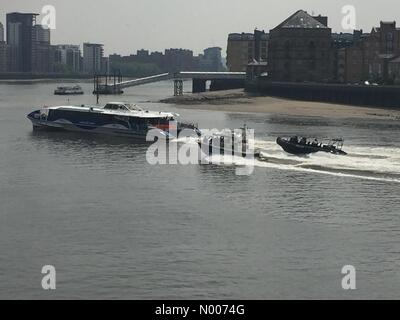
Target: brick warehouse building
[(243, 48), (374, 56), (300, 49)]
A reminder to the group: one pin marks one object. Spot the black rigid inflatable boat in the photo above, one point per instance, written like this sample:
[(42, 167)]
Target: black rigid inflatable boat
[(303, 146)]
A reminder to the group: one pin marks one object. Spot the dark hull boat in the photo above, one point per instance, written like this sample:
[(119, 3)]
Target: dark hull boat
[(68, 91), (302, 147)]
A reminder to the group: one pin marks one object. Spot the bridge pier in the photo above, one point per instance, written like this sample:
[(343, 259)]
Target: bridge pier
[(178, 87), (107, 84), (227, 84), (199, 85)]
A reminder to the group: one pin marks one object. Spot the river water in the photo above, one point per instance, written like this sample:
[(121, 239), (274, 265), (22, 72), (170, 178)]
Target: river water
[(116, 227)]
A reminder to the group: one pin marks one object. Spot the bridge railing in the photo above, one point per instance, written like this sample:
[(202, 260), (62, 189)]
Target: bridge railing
[(146, 80)]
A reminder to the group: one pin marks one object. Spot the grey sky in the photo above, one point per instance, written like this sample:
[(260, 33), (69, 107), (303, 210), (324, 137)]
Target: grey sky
[(125, 26)]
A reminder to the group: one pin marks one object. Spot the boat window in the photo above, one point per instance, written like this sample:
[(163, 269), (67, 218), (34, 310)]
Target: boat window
[(111, 106), (121, 107), (133, 107)]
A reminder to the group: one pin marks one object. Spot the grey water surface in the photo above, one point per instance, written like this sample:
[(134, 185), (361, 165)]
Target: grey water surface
[(117, 227)]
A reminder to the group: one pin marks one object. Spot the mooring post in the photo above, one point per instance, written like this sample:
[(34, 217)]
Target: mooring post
[(115, 82), (97, 89)]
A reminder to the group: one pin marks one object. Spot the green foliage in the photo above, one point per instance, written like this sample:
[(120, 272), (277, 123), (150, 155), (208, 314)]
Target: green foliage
[(61, 68)]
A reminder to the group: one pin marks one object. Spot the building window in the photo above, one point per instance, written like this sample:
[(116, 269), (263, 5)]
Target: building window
[(389, 42)]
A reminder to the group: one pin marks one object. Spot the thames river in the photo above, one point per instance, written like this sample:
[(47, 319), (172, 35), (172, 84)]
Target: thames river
[(117, 227)]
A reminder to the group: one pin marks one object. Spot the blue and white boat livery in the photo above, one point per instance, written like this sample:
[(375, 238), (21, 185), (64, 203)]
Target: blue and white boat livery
[(115, 118)]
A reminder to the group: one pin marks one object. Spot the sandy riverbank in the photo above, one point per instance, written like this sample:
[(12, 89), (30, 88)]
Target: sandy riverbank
[(239, 101)]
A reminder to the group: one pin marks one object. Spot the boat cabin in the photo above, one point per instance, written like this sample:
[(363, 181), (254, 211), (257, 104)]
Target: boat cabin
[(121, 106)]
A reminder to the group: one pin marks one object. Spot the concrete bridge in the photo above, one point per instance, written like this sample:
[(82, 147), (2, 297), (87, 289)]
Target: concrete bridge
[(219, 81), (141, 81)]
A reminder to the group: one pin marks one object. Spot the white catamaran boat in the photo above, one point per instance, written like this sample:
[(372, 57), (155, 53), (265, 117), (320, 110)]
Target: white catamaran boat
[(115, 118)]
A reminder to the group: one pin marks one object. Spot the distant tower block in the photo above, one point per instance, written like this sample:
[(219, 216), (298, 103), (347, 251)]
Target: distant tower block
[(178, 87)]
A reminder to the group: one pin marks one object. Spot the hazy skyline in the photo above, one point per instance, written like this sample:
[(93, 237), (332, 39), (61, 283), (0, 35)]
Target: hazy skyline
[(125, 26)]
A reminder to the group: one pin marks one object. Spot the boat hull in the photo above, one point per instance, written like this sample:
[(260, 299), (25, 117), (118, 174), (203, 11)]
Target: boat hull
[(68, 93), (304, 149), (108, 129)]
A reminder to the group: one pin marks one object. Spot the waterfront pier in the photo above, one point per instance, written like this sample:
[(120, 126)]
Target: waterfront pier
[(219, 81)]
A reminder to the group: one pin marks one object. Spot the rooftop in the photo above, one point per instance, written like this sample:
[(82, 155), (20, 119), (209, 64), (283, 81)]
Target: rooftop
[(239, 36), (302, 20), (23, 14), (93, 44), (246, 36)]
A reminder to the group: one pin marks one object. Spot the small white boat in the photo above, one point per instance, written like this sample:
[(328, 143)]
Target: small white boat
[(75, 90), (227, 142)]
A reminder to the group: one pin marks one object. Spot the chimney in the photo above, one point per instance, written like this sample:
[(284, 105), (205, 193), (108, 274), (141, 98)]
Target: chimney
[(257, 44), (322, 19)]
